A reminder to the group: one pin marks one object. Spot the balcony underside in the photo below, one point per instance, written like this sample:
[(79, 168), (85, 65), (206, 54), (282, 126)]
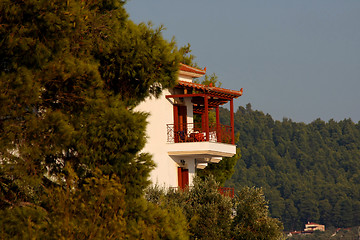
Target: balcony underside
[(201, 149)]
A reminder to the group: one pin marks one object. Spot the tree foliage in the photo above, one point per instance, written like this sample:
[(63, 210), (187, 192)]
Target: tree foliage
[(93, 210), (309, 172), (252, 220), (71, 73), (211, 215)]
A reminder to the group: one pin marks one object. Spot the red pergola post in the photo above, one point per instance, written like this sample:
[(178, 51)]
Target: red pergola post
[(176, 123), (218, 128), (206, 103), (232, 121), (202, 121)]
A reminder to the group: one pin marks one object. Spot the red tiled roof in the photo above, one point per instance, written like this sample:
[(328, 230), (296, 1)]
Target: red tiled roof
[(187, 68), (216, 91)]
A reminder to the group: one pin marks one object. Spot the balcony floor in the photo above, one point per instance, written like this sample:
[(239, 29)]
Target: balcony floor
[(201, 149)]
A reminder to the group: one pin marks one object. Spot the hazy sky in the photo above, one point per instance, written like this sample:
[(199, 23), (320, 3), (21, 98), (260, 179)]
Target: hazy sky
[(298, 59)]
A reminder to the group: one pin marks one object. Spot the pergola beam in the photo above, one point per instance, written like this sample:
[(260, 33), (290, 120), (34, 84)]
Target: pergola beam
[(186, 95)]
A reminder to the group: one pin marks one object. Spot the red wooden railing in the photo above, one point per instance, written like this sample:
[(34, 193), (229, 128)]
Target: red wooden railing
[(226, 191), (194, 132)]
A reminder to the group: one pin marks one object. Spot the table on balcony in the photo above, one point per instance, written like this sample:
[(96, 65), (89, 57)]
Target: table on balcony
[(197, 137)]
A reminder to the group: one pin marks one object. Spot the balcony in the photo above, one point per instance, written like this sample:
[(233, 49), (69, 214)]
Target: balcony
[(195, 132), (203, 140), (194, 141), (203, 99)]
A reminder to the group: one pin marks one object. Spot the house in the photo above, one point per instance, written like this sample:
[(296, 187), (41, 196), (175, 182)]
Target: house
[(311, 227), (179, 134)]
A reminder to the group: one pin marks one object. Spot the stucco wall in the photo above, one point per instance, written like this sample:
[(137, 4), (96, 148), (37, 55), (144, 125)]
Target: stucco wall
[(161, 113)]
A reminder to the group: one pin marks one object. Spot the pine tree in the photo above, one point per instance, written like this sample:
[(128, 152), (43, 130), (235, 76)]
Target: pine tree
[(71, 73), (314, 167)]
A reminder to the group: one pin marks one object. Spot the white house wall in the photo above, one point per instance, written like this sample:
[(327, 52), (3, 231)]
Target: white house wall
[(161, 113), (189, 110), (185, 78)]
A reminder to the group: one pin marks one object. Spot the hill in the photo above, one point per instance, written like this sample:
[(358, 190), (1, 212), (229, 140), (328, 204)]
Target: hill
[(309, 172)]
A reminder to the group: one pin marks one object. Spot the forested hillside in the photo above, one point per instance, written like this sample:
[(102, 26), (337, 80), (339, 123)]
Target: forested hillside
[(309, 172)]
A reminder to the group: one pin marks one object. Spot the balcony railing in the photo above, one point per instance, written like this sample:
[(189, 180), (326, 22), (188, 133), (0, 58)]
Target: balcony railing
[(226, 191), (195, 132)]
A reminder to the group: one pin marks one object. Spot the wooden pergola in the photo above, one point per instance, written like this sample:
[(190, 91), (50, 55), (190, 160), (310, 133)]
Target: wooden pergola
[(205, 98)]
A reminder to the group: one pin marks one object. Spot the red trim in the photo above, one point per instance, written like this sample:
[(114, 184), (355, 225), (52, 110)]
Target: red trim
[(203, 121), (218, 131), (176, 121), (206, 118), (232, 121)]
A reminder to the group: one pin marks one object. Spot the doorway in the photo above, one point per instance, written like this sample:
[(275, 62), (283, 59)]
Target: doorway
[(183, 177)]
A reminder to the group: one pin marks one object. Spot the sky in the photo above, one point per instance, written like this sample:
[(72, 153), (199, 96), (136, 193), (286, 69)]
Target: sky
[(296, 59)]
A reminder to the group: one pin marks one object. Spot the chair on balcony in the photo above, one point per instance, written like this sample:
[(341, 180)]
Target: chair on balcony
[(196, 136), (182, 136), (199, 137)]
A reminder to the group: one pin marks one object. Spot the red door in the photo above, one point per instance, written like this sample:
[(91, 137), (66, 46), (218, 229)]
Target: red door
[(180, 123), (182, 118), (183, 177)]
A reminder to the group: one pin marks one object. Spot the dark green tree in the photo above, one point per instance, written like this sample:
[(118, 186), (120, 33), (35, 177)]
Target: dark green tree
[(252, 220), (71, 73), (313, 167), (211, 215), (208, 212)]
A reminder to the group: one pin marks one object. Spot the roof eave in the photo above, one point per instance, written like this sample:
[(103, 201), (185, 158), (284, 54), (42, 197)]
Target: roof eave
[(191, 74)]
